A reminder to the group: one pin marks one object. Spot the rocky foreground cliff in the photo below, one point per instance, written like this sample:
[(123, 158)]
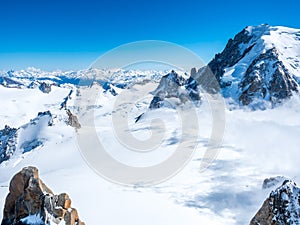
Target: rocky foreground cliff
[(31, 202), (282, 207)]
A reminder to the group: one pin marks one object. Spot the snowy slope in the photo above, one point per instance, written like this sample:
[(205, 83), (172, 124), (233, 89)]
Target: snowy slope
[(59, 159), (228, 192), (15, 142)]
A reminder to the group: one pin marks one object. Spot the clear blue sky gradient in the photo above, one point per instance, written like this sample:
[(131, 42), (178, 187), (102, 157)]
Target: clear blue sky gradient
[(60, 34)]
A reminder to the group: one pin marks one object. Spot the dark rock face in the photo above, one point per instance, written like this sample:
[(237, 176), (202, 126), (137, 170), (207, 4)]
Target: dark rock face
[(282, 207), (72, 120), (173, 85), (205, 79), (168, 85), (157, 102), (29, 196), (44, 87), (8, 138), (63, 105), (267, 78), (108, 88), (230, 55), (192, 87)]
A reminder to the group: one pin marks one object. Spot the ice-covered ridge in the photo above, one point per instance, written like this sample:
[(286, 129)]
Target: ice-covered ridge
[(15, 142)]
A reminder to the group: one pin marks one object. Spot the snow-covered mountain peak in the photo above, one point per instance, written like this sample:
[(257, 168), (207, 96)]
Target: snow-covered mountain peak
[(259, 64), (257, 31), (285, 40)]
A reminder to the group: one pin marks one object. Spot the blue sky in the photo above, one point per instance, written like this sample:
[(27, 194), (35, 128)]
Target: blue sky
[(60, 34)]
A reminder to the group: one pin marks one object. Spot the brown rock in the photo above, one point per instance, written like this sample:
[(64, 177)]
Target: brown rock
[(72, 120), (25, 195), (264, 216), (59, 212), (71, 217), (28, 195), (64, 201), (281, 207)]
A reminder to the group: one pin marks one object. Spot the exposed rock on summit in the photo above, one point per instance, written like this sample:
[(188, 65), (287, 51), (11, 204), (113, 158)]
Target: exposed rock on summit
[(231, 54), (173, 85), (273, 181)]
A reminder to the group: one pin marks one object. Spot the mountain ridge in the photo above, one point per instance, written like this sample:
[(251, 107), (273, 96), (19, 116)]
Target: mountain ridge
[(260, 62)]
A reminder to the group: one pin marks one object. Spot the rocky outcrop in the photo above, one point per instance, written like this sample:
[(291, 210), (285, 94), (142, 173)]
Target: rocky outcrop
[(45, 87), (230, 55), (203, 79), (108, 88), (72, 120), (169, 87), (29, 197), (273, 181), (63, 105), (282, 207), (8, 138), (173, 85), (267, 78)]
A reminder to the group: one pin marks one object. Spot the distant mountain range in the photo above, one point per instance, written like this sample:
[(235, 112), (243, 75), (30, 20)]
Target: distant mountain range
[(260, 64)]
